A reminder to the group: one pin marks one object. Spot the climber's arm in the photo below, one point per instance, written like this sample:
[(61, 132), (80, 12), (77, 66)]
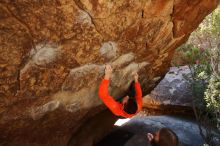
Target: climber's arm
[(138, 96), (109, 101), (138, 92)]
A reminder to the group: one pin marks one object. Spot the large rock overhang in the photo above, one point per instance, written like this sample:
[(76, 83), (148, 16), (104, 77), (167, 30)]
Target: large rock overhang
[(52, 56)]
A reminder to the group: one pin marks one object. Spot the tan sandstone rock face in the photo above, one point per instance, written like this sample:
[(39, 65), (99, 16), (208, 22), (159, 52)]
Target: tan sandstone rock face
[(52, 56)]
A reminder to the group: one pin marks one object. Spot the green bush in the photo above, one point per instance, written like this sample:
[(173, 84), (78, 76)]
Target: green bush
[(202, 54)]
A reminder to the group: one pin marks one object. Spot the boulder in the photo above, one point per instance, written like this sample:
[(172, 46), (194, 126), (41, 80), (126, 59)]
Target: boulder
[(173, 95), (52, 56)]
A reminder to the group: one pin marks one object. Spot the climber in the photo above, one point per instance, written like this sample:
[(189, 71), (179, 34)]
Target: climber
[(163, 137), (131, 104)]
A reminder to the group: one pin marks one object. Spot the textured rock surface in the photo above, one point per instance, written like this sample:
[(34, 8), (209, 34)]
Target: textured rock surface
[(172, 95), (52, 54), (187, 131)]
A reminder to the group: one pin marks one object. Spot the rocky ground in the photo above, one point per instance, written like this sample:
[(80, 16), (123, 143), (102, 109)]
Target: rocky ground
[(133, 132)]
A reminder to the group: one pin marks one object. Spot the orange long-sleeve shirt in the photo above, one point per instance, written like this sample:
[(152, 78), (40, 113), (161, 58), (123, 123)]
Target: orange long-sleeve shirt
[(114, 106)]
